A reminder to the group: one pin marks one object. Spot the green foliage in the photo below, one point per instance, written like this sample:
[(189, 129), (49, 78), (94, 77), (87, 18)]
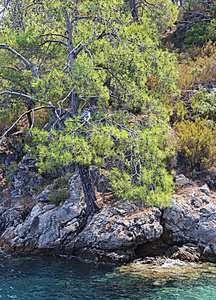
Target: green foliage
[(128, 54), (204, 104), (58, 195), (59, 191), (119, 69), (200, 33), (197, 143), (11, 171), (131, 155)]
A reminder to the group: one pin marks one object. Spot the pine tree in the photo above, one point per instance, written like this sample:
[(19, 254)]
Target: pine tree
[(68, 56)]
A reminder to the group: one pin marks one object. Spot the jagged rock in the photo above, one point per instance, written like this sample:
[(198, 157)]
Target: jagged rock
[(200, 201), (118, 232), (113, 229), (9, 152), (182, 180), (29, 162), (24, 182), (195, 225), (43, 196), (111, 234), (186, 252), (205, 189)]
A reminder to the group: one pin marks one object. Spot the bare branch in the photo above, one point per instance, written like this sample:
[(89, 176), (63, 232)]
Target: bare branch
[(62, 101), (95, 18), (12, 68), (74, 101), (28, 64), (90, 55), (53, 34), (33, 5), (52, 41), (29, 133), (6, 5), (82, 17), (25, 113), (25, 96), (43, 57)]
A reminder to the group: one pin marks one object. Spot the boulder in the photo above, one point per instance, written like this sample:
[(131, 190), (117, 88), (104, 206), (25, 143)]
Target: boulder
[(205, 189), (182, 180), (195, 224)]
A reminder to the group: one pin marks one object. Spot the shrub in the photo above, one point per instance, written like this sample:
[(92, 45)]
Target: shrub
[(59, 191), (197, 143), (200, 33), (58, 195), (204, 104)]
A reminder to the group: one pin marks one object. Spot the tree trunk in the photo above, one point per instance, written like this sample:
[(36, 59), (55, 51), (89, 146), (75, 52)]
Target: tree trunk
[(133, 10), (87, 185), (88, 189), (16, 16), (74, 100)]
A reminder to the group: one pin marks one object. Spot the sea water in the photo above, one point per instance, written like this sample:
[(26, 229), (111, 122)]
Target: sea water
[(51, 278)]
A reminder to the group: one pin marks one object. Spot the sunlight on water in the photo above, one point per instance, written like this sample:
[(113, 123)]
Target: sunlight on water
[(54, 278)]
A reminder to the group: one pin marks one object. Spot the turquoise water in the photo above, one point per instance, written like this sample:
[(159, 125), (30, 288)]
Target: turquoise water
[(51, 278)]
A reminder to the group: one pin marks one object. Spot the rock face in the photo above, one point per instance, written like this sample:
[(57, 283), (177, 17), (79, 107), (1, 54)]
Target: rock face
[(119, 232), (194, 223), (110, 235)]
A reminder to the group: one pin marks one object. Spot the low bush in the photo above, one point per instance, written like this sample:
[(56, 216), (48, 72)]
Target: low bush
[(204, 104), (197, 143)]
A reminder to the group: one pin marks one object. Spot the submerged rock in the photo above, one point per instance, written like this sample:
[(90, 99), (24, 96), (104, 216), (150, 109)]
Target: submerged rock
[(158, 271)]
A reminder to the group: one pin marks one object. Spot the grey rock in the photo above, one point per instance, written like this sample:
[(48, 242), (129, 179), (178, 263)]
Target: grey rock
[(182, 180), (29, 162), (24, 182), (111, 234), (192, 194), (195, 225), (205, 189), (200, 201), (187, 252), (43, 197)]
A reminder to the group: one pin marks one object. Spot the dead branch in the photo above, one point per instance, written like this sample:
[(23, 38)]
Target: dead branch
[(25, 113), (12, 68), (29, 65), (6, 5), (52, 41), (25, 96)]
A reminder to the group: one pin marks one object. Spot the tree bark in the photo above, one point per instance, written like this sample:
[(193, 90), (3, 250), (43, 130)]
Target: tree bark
[(74, 100), (88, 189), (133, 10)]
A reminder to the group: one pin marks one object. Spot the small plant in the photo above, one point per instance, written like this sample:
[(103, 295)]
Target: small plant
[(11, 170), (204, 104), (197, 143), (61, 181), (58, 195), (59, 191)]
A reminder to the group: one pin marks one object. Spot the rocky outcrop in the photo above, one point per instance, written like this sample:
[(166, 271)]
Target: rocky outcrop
[(111, 235), (119, 231), (195, 223)]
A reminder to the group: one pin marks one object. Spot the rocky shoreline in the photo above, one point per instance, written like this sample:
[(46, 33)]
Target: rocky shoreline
[(120, 232)]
